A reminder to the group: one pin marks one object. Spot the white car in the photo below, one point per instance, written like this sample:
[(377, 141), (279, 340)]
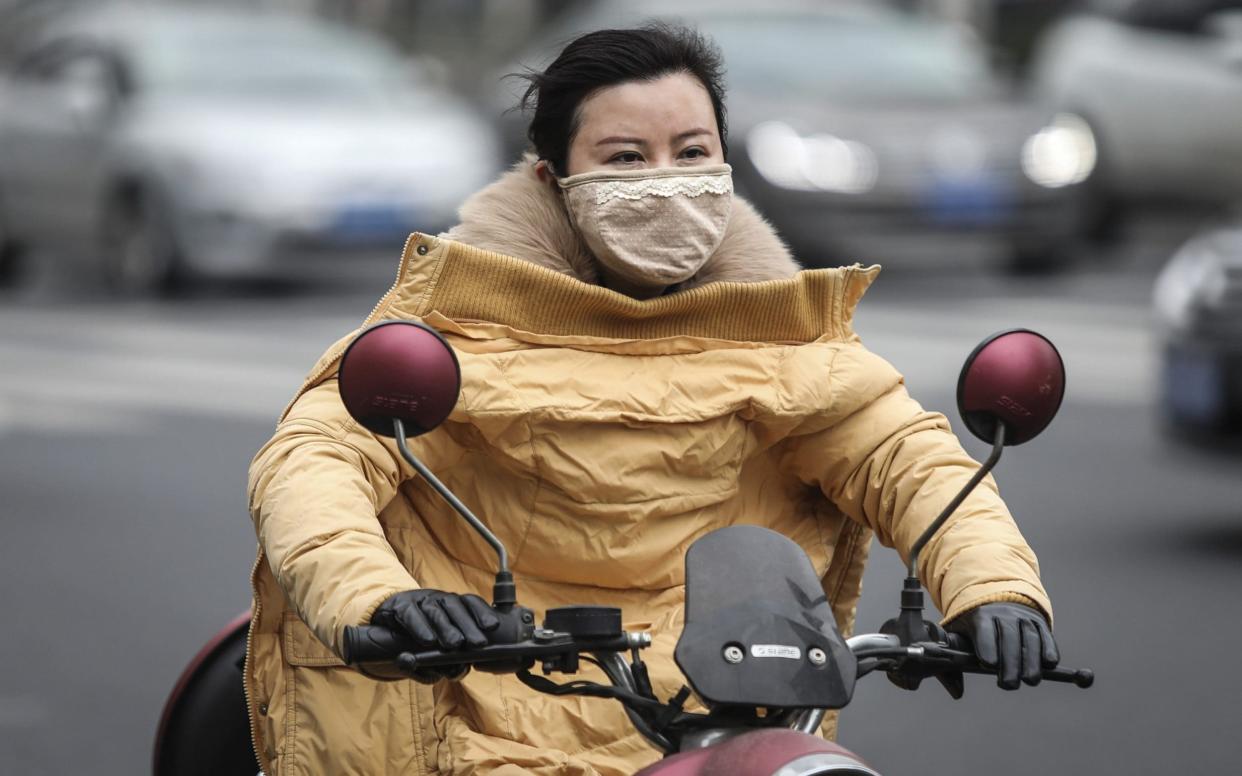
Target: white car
[(1165, 105), (174, 142)]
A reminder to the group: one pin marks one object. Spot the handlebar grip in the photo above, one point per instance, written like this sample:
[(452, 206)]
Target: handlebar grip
[(1082, 677), (374, 644), (377, 644)]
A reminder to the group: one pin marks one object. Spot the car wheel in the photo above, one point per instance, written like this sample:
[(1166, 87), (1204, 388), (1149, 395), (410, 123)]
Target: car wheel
[(1045, 259), (1104, 212), (11, 264), (1104, 223), (139, 248)]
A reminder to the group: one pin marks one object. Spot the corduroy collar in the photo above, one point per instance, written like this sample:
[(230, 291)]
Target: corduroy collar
[(463, 283)]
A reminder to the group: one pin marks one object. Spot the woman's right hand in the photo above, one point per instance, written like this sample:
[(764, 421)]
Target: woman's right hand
[(438, 620)]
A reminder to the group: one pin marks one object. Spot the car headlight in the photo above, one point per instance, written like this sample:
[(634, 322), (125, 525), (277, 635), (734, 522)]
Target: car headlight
[(1061, 154), (820, 162)]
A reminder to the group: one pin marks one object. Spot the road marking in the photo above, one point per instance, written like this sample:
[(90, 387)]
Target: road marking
[(1110, 353), (112, 369)]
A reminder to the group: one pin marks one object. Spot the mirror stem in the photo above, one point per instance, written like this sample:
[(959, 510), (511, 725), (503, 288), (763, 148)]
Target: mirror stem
[(998, 445), (504, 593)]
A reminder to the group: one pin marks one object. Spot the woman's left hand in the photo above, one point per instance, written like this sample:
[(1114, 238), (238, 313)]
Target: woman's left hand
[(1011, 638)]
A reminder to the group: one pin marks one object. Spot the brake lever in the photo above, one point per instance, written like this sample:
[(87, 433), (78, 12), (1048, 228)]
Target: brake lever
[(954, 683)]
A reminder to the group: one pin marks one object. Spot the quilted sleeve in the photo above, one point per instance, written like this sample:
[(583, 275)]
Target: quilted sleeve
[(886, 462), (315, 489)]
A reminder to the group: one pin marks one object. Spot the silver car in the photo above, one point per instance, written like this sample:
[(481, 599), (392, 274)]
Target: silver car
[(867, 134), (1165, 103), (168, 143)]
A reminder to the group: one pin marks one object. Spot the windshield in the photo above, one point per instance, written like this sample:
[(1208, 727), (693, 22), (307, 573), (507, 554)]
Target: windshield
[(855, 58), (271, 62), (756, 589)]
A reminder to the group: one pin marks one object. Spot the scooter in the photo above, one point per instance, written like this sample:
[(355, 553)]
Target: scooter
[(760, 648)]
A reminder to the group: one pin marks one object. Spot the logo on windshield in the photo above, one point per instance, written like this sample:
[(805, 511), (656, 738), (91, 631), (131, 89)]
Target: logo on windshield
[(775, 650)]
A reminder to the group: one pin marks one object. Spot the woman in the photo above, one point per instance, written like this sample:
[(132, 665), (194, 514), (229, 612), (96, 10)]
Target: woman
[(642, 363)]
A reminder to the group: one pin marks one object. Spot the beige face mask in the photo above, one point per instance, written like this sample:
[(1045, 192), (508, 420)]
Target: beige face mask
[(651, 227)]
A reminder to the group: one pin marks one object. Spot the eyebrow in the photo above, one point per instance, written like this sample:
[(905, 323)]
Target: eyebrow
[(639, 141), (622, 140), (692, 133)]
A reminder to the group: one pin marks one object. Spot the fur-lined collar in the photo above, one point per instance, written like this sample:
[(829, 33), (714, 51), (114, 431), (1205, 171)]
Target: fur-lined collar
[(521, 216)]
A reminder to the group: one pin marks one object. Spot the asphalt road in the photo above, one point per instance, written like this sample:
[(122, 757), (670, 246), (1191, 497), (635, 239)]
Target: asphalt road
[(126, 430)]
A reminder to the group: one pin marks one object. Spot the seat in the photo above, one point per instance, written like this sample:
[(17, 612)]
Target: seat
[(205, 728)]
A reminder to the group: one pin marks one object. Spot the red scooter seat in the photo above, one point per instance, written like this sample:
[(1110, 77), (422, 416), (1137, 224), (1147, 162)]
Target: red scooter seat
[(205, 728)]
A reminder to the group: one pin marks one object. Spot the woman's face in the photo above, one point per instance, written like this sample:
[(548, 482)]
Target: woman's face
[(668, 122)]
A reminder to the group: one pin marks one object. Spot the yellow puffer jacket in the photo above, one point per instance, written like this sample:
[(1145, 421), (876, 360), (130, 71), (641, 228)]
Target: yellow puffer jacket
[(598, 436)]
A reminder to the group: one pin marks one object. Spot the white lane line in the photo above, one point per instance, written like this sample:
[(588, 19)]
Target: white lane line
[(1113, 360), (247, 370), (47, 420), (1092, 377), (48, 383), (284, 338), (1074, 323)]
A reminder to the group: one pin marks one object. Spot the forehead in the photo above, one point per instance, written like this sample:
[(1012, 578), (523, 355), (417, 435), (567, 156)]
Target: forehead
[(647, 109)]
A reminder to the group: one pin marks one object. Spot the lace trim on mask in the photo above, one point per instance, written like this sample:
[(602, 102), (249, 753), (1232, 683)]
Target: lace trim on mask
[(690, 186)]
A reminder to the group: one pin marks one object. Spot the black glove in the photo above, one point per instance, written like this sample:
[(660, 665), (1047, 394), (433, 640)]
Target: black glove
[(1011, 638), (438, 620)]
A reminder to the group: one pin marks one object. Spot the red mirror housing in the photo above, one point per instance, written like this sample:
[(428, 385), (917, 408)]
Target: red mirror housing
[(1016, 377), (399, 370)]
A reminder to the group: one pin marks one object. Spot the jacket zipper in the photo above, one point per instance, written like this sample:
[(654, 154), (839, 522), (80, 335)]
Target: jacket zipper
[(259, 755), (405, 256), (254, 571)]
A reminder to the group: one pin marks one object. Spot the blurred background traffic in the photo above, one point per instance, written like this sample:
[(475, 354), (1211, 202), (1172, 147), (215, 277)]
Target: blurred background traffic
[(197, 197)]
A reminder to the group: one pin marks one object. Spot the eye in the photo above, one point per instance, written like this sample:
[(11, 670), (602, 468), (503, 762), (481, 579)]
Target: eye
[(694, 152), (627, 157)]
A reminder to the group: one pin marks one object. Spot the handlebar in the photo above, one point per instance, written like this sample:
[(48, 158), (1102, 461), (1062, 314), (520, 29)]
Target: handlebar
[(954, 653), (377, 644), (659, 722)]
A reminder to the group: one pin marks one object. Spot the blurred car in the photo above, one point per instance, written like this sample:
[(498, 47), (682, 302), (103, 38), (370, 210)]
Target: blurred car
[(174, 141), (1198, 302), (1162, 88), (864, 133)]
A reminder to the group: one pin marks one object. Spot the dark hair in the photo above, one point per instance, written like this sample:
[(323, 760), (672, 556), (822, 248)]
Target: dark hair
[(609, 57)]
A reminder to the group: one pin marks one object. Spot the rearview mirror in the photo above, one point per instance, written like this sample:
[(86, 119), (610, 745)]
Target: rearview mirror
[(399, 379), (1009, 390), (399, 371), (1016, 378)]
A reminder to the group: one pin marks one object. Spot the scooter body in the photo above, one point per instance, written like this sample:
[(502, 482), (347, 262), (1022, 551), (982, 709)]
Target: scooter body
[(760, 647), (764, 753)]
